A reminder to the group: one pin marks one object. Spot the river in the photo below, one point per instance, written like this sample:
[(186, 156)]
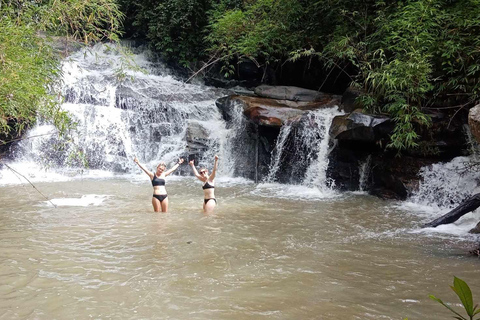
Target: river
[(85, 243)]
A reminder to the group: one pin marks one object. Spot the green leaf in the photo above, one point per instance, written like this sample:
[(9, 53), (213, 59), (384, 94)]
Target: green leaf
[(465, 294)]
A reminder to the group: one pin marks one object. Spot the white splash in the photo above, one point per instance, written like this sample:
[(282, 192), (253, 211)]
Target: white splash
[(84, 201), (297, 192), (446, 185), (443, 187)]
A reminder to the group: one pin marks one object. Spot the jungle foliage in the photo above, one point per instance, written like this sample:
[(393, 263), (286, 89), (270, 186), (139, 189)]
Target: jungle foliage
[(30, 69), (406, 56)]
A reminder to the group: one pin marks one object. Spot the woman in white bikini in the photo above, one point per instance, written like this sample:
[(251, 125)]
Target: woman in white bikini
[(209, 201), (159, 199)]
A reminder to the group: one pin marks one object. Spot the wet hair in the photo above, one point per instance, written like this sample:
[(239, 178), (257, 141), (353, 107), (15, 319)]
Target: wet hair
[(162, 164), (203, 168)]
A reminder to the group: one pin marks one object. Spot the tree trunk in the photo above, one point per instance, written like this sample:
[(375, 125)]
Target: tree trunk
[(466, 206)]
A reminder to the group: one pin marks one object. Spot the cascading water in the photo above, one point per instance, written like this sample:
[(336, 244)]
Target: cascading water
[(277, 152), (473, 145), (445, 185), (148, 114), (315, 137), (364, 172), (301, 154)]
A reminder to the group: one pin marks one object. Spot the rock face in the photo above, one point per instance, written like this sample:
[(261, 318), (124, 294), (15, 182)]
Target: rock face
[(474, 121), (361, 127), (361, 141)]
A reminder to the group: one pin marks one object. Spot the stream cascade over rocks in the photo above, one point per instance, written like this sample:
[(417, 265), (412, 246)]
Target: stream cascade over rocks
[(271, 134)]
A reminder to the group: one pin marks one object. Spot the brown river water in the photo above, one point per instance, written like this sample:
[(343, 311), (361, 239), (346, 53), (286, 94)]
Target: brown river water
[(268, 252)]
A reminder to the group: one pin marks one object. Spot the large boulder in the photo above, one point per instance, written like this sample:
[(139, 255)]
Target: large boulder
[(293, 94), (474, 121), (360, 127), (269, 112)]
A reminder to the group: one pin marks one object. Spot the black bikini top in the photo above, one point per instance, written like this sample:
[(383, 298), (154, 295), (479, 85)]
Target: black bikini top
[(157, 181), (207, 186)]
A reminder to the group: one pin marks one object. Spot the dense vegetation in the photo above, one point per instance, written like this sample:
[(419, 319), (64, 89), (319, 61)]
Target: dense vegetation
[(30, 70), (405, 56)]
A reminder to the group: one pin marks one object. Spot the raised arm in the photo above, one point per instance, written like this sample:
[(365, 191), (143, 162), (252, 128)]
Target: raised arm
[(214, 171), (150, 174), (195, 172), (175, 167)]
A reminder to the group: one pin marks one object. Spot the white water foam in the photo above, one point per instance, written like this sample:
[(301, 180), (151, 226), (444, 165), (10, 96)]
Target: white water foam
[(296, 192), (443, 187), (446, 185), (84, 201)]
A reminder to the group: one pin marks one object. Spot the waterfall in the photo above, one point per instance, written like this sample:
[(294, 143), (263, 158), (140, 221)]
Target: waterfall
[(148, 114), (316, 139), (364, 172), (277, 152), (473, 145), (445, 185)]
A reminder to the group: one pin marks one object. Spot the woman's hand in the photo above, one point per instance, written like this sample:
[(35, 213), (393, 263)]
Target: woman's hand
[(191, 163), (135, 160), (216, 158)]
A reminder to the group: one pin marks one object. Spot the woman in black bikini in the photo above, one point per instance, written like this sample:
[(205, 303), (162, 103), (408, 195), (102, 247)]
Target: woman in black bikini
[(159, 199), (209, 201)]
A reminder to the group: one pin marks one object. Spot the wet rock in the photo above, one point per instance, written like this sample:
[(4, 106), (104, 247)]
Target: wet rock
[(291, 93), (474, 121), (475, 230), (197, 138), (127, 99), (348, 103), (360, 127)]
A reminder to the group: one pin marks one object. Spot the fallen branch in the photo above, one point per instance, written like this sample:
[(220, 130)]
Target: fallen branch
[(209, 63), (465, 207), (25, 138), (16, 172)]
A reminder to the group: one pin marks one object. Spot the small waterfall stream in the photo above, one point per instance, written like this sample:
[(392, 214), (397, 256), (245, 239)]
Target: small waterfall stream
[(316, 138), (300, 154), (446, 185), (364, 172), (277, 152)]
